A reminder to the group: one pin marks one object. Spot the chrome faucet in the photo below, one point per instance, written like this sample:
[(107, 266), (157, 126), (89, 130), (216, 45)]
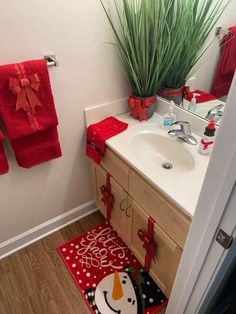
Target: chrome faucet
[(215, 113), (183, 133)]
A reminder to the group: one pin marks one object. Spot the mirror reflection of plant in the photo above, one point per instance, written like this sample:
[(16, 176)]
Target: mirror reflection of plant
[(140, 43), (189, 25)]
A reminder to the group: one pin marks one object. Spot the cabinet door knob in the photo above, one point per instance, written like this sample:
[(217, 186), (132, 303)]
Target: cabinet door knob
[(126, 211), (121, 204)]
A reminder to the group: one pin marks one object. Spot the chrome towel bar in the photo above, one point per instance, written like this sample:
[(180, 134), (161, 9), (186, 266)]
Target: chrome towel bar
[(51, 60)]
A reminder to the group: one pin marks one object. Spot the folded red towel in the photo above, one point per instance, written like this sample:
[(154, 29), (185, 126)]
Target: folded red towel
[(4, 168), (98, 133), (203, 96), (226, 65), (37, 148), (26, 100)]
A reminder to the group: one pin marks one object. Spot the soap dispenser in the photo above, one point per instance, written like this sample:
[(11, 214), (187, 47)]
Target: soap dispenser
[(207, 142), (170, 117), (192, 107)]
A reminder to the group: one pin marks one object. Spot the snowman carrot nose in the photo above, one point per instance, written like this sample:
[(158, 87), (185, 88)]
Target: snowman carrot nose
[(117, 292)]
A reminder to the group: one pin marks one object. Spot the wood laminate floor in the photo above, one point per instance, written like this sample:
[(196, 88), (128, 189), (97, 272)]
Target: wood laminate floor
[(35, 279)]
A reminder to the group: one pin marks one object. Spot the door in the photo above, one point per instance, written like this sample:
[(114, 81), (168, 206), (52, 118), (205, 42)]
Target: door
[(166, 261), (118, 213)]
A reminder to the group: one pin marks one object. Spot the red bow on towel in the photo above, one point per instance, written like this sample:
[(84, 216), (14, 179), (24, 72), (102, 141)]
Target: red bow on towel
[(25, 89), (148, 244), (107, 198), (139, 106)]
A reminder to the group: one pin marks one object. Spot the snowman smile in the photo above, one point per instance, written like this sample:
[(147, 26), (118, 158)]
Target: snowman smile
[(110, 307)]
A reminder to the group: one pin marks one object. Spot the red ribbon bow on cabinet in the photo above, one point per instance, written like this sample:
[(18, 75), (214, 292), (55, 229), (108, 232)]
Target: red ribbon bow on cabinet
[(148, 245), (108, 198), (139, 106), (25, 89)]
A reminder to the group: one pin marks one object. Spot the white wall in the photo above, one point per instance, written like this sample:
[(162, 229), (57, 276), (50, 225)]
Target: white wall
[(205, 74), (88, 75)]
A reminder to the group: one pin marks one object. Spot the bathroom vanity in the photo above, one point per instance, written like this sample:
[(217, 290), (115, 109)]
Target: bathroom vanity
[(142, 188)]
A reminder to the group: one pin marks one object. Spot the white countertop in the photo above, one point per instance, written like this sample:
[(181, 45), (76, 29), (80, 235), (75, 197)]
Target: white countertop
[(183, 188)]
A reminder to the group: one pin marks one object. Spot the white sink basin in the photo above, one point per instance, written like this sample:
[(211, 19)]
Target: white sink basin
[(155, 150), (146, 146)]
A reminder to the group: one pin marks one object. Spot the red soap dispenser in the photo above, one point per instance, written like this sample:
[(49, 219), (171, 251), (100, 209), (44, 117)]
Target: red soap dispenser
[(207, 142)]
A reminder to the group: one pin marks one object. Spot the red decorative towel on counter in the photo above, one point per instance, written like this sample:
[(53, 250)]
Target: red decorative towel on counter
[(226, 66), (4, 168), (98, 133), (28, 112), (203, 96)]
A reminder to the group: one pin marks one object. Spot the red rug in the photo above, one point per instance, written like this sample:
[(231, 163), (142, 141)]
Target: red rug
[(109, 277)]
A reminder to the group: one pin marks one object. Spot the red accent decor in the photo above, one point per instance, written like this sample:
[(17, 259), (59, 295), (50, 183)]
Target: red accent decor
[(12, 98), (4, 168), (206, 144), (98, 133), (226, 65), (148, 245), (203, 96), (25, 89), (140, 105), (99, 261), (28, 112), (171, 92), (108, 198)]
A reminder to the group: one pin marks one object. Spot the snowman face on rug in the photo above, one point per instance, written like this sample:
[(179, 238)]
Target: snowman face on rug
[(116, 294)]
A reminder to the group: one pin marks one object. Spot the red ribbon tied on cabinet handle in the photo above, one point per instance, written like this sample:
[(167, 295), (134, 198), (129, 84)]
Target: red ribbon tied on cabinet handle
[(107, 198), (148, 245), (139, 106), (25, 89)]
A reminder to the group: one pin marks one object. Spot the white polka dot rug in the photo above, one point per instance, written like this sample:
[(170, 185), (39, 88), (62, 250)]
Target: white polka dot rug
[(108, 275)]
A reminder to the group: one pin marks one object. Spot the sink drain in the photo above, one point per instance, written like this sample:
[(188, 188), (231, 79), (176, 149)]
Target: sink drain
[(167, 165)]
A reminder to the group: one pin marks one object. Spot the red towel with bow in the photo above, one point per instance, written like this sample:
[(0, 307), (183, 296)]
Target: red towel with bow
[(202, 96), (27, 109), (98, 133), (226, 66), (4, 168)]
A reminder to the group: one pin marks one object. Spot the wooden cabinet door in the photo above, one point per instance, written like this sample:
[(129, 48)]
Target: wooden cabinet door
[(118, 217), (163, 269)]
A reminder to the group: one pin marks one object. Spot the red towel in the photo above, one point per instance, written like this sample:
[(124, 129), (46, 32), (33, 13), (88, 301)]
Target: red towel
[(226, 66), (98, 133), (34, 149), (28, 112), (26, 100), (4, 168), (203, 96)]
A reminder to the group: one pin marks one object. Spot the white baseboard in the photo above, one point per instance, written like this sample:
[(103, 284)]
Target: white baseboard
[(20, 241)]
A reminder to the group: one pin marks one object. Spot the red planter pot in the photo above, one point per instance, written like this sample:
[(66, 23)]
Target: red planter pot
[(175, 94), (142, 108)]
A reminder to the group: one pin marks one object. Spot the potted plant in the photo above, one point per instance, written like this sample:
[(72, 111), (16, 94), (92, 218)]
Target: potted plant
[(188, 28), (138, 28)]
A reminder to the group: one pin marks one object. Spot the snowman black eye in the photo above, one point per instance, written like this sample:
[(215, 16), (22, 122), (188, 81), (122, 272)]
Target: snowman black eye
[(124, 282)]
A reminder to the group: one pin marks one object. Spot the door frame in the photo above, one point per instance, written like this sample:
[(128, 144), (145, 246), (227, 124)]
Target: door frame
[(190, 287)]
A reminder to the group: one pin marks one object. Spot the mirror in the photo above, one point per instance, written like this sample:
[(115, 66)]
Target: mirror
[(212, 85)]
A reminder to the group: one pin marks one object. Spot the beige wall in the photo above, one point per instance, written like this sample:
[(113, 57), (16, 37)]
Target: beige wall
[(88, 75)]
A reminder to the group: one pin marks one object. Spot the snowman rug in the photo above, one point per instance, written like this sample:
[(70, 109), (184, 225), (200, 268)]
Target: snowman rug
[(108, 275)]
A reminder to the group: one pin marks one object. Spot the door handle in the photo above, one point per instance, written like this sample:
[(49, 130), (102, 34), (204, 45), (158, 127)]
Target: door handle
[(121, 203), (126, 211)]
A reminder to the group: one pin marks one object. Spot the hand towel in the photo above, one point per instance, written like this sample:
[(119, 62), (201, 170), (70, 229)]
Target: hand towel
[(98, 133), (37, 148), (26, 100), (203, 96), (4, 168), (226, 65)]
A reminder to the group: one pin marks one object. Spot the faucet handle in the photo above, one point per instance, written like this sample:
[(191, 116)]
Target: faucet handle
[(185, 126)]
